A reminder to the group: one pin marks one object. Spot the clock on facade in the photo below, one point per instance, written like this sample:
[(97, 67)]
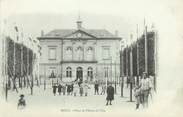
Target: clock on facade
[(79, 35)]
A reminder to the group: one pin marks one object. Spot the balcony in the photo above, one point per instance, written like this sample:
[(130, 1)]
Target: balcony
[(78, 61)]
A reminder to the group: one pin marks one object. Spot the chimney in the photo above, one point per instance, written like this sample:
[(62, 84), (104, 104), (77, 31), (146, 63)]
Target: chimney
[(116, 33), (42, 33)]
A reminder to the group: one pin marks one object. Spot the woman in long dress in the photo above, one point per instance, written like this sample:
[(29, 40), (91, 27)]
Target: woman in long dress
[(75, 89)]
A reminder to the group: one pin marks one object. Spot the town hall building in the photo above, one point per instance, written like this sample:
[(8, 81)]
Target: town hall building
[(87, 54)]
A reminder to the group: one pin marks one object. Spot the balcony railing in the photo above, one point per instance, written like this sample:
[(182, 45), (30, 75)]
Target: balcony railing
[(78, 61)]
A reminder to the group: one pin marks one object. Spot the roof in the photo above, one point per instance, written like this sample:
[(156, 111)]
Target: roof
[(63, 33)]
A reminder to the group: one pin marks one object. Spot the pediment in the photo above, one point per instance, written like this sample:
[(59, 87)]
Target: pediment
[(80, 35)]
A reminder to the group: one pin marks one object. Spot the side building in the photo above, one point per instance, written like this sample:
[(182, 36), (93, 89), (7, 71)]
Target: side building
[(87, 54)]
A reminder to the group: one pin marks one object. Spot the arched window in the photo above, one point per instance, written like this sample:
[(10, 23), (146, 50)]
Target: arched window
[(90, 73), (89, 53), (69, 72), (69, 53), (89, 49), (79, 51), (79, 48), (69, 48)]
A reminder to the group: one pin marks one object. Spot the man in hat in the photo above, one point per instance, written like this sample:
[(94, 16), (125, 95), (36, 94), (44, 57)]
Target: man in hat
[(21, 101), (59, 89), (110, 94), (96, 86), (54, 89)]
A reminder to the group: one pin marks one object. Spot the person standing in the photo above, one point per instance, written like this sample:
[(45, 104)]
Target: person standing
[(71, 88), (59, 89), (137, 93), (145, 87), (75, 88), (151, 84), (64, 89), (86, 87), (54, 89), (96, 88), (68, 89), (81, 89), (147, 90), (103, 89), (110, 94)]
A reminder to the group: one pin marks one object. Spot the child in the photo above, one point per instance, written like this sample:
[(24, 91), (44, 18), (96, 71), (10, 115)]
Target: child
[(137, 93), (85, 87), (21, 102)]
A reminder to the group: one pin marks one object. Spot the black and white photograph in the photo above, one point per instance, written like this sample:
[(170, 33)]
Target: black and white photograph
[(91, 58)]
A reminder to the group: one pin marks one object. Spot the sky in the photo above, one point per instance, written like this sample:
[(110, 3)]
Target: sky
[(122, 15)]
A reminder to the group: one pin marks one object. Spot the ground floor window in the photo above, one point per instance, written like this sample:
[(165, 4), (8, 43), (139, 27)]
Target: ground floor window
[(69, 72), (90, 73)]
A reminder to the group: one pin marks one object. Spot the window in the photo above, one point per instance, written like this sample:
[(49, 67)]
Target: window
[(52, 53), (89, 49), (69, 72), (69, 48), (52, 72), (90, 73), (106, 52), (89, 53), (69, 53), (79, 52)]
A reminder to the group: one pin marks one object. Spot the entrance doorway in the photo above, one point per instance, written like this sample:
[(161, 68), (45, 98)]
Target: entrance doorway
[(79, 74)]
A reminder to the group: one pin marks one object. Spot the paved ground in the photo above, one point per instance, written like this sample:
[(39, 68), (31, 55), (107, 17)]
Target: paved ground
[(45, 98)]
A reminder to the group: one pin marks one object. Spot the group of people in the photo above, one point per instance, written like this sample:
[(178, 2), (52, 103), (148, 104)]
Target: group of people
[(109, 90), (74, 88), (62, 89), (143, 90), (82, 89), (96, 87)]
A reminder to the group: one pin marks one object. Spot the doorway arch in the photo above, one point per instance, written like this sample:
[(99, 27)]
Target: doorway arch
[(79, 73)]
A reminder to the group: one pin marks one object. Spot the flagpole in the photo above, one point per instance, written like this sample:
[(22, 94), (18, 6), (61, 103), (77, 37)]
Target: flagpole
[(28, 64), (146, 51), (155, 59), (127, 63), (137, 57), (22, 57), (131, 68), (122, 72), (14, 60), (4, 67)]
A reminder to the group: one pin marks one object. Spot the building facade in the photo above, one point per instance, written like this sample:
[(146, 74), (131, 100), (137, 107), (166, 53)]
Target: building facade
[(87, 54)]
